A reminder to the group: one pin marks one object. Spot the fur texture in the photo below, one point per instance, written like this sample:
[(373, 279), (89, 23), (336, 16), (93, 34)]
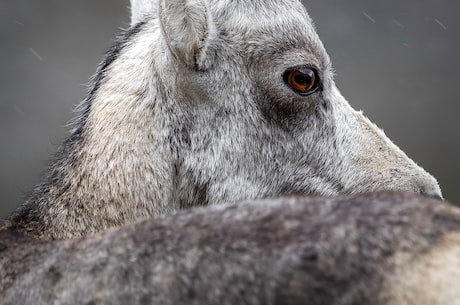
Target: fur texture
[(140, 9), (190, 108), (380, 249)]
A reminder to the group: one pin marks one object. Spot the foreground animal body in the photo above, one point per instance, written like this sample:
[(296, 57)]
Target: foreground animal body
[(211, 102), (380, 249)]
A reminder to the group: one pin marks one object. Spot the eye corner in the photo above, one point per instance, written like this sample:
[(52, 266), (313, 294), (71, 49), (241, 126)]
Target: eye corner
[(302, 79)]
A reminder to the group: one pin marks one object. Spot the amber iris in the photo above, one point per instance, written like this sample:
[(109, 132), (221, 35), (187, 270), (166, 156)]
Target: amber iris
[(302, 79)]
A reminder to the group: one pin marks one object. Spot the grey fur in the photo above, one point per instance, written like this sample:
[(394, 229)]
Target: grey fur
[(176, 121), (191, 109), (345, 250)]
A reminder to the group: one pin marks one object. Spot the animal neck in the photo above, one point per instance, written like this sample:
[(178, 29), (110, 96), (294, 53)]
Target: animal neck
[(113, 169)]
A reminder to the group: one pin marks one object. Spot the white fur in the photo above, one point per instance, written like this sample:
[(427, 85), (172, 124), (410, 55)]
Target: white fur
[(239, 155), (140, 9), (194, 111)]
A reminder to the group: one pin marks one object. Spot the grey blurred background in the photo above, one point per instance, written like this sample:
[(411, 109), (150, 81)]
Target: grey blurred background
[(397, 60)]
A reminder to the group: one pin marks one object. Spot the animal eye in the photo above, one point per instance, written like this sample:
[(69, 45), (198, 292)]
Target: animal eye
[(302, 79)]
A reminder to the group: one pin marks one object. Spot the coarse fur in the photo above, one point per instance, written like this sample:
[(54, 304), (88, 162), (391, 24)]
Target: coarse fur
[(190, 108), (379, 249), (176, 121)]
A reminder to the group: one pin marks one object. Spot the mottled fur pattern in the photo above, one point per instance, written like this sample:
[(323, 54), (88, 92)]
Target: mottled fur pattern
[(190, 108), (379, 249)]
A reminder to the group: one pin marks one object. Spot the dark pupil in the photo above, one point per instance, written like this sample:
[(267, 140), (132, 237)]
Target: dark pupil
[(302, 79)]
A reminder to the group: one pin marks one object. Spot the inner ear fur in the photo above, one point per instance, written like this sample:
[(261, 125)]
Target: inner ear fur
[(188, 28)]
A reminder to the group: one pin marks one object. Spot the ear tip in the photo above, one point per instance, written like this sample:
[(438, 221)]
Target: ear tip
[(140, 9)]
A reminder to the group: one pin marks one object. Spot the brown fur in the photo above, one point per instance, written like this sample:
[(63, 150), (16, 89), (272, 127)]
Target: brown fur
[(420, 279)]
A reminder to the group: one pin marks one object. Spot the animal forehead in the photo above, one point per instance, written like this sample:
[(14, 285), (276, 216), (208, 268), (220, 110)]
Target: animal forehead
[(258, 6), (260, 13), (276, 24)]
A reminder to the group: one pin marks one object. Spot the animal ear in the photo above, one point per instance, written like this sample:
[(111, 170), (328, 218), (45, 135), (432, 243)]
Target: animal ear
[(141, 8), (188, 29)]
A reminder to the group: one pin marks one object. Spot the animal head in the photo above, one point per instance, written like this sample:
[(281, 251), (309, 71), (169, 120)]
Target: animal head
[(240, 102), (215, 101), (256, 109)]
